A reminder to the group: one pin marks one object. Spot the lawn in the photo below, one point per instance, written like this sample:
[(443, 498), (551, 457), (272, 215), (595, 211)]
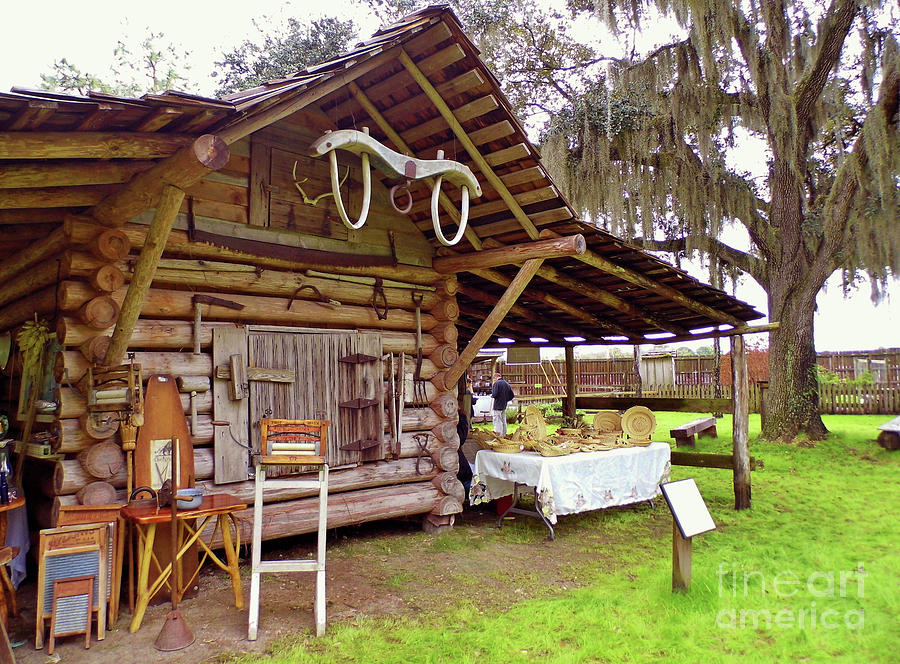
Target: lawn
[(811, 573)]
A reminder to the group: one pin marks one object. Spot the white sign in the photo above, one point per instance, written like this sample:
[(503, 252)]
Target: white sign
[(688, 508)]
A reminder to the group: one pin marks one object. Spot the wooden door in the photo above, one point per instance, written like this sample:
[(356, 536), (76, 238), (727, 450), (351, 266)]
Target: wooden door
[(323, 383)]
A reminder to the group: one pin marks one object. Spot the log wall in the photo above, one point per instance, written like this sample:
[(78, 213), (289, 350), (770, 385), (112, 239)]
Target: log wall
[(76, 276)]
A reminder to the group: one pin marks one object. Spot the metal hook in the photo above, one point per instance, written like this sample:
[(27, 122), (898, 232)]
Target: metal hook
[(409, 198)]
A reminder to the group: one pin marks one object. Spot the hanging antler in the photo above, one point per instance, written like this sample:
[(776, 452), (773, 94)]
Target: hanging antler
[(395, 165), (314, 201)]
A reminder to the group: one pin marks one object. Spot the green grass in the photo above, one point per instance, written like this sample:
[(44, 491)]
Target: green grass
[(822, 515)]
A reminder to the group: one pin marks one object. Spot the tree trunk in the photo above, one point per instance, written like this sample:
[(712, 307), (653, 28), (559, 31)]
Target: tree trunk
[(793, 396)]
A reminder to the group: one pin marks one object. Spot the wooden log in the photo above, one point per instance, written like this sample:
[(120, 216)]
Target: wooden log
[(109, 245), (366, 476), (493, 320), (178, 244), (72, 476), (99, 312), (740, 424), (88, 145), (418, 419), (73, 439), (73, 405), (445, 333), (96, 493), (205, 154), (242, 278), (513, 254), (435, 524), (45, 476), (39, 276), (73, 365), (445, 310), (444, 355), (107, 278), (147, 334), (94, 349), (70, 173), (394, 341), (257, 309), (43, 511), (100, 426), (193, 383), (152, 250), (103, 460), (445, 405), (295, 517), (571, 382), (42, 303), (447, 505), (446, 432), (39, 251), (451, 486)]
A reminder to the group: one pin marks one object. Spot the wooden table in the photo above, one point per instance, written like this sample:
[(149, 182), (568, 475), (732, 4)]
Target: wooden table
[(6, 556), (221, 506)]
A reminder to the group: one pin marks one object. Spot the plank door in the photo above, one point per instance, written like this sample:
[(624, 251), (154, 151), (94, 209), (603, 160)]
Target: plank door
[(322, 384)]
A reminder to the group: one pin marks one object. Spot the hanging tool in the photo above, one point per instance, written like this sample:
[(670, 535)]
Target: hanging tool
[(198, 301), (392, 404), (400, 398), (420, 396), (378, 291), (316, 292), (422, 452)]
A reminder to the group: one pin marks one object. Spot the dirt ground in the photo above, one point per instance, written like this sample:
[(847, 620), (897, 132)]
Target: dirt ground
[(372, 570)]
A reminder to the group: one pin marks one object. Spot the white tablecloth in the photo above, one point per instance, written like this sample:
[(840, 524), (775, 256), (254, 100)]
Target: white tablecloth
[(577, 482)]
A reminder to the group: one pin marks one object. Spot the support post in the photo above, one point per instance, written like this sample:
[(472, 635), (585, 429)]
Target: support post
[(155, 243), (681, 560), (741, 424), (638, 381), (490, 324), (571, 382)]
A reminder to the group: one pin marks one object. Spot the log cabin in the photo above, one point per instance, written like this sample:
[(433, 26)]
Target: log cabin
[(202, 238)]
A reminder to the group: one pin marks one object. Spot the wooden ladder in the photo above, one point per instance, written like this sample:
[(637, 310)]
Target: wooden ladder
[(290, 443)]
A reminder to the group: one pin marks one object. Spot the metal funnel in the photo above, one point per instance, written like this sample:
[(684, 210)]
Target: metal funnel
[(174, 634)]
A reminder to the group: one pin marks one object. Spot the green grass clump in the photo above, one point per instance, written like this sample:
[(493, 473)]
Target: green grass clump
[(810, 574)]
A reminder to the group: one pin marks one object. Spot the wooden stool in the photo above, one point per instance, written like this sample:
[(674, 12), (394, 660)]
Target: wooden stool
[(7, 591), (290, 443)]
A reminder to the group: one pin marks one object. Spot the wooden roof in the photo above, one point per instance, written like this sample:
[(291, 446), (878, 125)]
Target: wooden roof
[(613, 293)]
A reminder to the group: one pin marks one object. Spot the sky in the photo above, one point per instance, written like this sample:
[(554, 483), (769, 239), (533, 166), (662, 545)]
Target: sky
[(39, 32)]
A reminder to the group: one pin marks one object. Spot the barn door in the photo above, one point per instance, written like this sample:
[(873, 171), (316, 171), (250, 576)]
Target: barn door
[(338, 378)]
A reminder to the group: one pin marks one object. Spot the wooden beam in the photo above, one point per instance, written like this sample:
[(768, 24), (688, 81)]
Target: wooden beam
[(467, 143), (490, 324), (285, 108), (69, 173), (740, 424), (206, 154), (698, 460), (558, 303), (89, 145), (571, 382), (512, 254), (37, 252), (401, 145), (166, 210), (629, 275), (56, 197)]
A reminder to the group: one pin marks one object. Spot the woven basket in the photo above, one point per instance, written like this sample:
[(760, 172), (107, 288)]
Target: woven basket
[(638, 423), (507, 447), (607, 421), (546, 449)]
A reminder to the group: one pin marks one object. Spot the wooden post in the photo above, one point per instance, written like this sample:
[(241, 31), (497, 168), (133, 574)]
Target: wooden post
[(490, 324), (639, 382), (571, 382), (166, 211), (681, 560), (513, 254), (741, 424)]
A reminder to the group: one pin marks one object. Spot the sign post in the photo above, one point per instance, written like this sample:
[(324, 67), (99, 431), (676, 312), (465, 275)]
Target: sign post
[(690, 518)]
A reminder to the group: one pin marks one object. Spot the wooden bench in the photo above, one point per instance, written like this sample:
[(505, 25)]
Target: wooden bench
[(702, 426), (889, 438)]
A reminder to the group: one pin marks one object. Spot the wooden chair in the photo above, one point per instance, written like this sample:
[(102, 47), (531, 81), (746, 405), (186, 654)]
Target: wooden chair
[(296, 443)]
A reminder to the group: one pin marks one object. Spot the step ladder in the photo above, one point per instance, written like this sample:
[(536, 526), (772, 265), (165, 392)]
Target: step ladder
[(295, 443)]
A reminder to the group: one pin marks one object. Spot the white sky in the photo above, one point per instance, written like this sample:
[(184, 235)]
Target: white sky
[(40, 31)]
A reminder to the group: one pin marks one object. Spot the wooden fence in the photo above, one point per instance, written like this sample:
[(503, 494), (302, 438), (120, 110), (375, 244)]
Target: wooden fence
[(834, 399)]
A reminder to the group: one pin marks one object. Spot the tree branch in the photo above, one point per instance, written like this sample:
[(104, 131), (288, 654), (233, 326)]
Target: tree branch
[(743, 261), (836, 27)]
